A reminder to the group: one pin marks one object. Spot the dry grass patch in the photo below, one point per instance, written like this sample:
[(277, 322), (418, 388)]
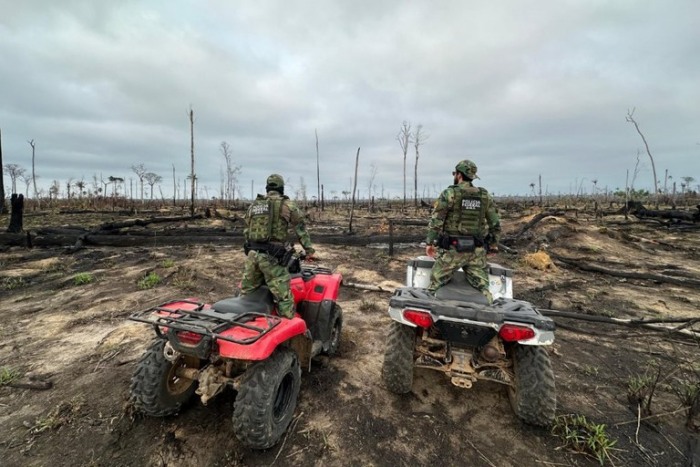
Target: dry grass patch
[(540, 261)]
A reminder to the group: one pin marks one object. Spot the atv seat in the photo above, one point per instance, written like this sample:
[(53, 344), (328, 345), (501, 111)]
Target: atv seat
[(260, 300), (461, 290)]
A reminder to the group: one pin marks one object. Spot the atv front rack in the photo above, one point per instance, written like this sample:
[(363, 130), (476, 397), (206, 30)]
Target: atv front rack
[(167, 320)]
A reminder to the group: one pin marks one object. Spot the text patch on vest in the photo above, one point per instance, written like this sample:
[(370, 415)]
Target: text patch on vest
[(471, 204), (258, 209)]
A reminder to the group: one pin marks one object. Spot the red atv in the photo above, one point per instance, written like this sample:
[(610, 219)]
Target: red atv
[(239, 343)]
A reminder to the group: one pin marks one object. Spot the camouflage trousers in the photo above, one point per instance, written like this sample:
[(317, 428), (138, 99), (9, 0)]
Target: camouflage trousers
[(473, 263), (261, 268)]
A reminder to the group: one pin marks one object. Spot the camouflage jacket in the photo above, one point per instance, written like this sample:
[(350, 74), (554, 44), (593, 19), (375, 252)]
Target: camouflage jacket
[(445, 204), (292, 217)]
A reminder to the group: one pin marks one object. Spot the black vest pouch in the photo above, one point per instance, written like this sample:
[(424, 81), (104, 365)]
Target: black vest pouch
[(464, 244)]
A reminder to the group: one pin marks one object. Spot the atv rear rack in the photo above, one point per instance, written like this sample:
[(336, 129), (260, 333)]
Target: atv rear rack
[(203, 321)]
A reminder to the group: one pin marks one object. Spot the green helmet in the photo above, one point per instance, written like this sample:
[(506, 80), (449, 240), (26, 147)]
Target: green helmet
[(275, 181), (468, 168)]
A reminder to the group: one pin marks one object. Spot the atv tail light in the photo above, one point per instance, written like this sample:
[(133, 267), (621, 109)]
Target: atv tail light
[(513, 333), (189, 338), (419, 318)]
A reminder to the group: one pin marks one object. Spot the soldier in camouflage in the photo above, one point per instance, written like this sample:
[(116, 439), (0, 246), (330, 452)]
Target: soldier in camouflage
[(266, 227), (463, 226)]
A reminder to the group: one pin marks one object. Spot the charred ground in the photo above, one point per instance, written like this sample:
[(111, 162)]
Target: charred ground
[(78, 338)]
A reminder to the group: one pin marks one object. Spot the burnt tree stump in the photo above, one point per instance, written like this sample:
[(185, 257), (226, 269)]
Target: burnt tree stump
[(17, 202)]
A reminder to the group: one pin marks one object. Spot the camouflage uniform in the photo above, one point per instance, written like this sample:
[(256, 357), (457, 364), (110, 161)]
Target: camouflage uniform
[(266, 225), (463, 210)]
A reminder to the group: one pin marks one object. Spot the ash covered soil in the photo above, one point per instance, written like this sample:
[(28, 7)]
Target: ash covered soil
[(78, 338)]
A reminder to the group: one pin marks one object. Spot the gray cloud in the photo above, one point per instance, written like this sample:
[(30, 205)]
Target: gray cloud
[(522, 88)]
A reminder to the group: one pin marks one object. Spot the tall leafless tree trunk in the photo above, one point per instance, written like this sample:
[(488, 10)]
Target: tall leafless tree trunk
[(630, 118), (540, 183), (36, 192), (354, 189), (225, 149), (418, 140), (3, 206), (627, 194), (174, 187), (318, 172), (404, 139), (191, 114), (140, 171)]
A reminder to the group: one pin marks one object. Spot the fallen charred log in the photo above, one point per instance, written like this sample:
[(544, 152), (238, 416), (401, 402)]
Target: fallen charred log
[(585, 266), (510, 239), (673, 214), (77, 240), (638, 210), (682, 324)]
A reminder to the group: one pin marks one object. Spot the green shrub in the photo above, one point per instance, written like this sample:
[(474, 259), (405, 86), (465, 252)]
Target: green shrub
[(84, 278), (12, 283), (583, 436), (9, 375), (150, 281), (167, 263)]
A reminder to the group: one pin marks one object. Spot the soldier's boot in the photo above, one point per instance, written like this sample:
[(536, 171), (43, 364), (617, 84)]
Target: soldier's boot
[(285, 310)]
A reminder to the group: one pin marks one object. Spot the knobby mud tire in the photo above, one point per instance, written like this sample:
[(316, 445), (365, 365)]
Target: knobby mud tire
[(336, 331), (397, 370), (155, 390), (267, 399), (533, 397)]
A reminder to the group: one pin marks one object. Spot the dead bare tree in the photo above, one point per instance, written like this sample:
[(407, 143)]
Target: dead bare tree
[(36, 192), (354, 189), (152, 179), (418, 140), (14, 171), (637, 169), (318, 172), (174, 186), (192, 174), (630, 119), (372, 175), (404, 139), (69, 186), (27, 179), (3, 206), (140, 171), (225, 149)]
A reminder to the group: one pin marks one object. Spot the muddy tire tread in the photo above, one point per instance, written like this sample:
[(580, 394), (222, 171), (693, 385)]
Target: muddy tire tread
[(397, 370), (333, 349), (252, 416), (534, 398), (148, 394)]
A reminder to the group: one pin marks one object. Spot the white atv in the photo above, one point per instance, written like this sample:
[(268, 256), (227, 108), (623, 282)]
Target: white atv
[(459, 333)]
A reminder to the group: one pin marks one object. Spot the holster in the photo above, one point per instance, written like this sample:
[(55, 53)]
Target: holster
[(460, 244), (281, 252)]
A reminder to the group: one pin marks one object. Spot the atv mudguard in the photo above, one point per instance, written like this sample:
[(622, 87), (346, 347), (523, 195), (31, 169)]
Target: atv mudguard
[(263, 347)]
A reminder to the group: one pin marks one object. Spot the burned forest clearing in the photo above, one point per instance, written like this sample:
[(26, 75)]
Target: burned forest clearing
[(624, 293)]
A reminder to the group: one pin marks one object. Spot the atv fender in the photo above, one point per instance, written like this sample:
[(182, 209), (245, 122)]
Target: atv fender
[(323, 287), (265, 345)]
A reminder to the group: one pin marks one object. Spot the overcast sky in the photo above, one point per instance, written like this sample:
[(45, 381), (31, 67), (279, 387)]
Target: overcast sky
[(521, 88)]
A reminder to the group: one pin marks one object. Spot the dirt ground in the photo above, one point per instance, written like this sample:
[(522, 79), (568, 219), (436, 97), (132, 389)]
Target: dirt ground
[(78, 338)]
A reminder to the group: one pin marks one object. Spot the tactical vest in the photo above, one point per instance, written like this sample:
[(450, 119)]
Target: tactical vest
[(266, 225), (468, 212)]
